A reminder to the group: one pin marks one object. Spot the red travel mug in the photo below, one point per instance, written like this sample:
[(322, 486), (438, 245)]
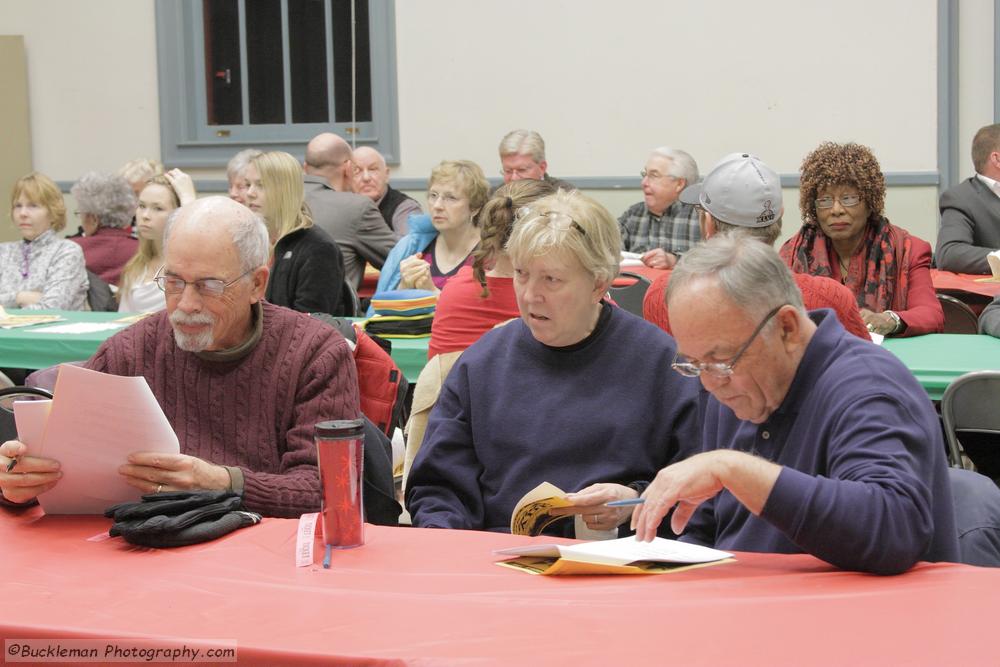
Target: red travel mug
[(340, 446)]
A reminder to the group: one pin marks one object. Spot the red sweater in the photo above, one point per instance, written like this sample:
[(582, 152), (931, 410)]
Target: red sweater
[(817, 292), (462, 315), (108, 251), (256, 412)]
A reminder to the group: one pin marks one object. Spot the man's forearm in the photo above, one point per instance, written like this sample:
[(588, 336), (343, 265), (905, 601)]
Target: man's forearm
[(749, 478)]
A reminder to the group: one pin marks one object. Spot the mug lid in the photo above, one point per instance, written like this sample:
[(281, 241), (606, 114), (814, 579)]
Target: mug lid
[(340, 428)]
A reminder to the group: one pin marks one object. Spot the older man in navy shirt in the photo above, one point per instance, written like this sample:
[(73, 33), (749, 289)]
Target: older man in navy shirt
[(813, 439)]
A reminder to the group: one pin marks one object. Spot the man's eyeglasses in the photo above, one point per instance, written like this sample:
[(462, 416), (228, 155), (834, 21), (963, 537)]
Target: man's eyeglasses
[(213, 287), (719, 369), (847, 201), (655, 175)]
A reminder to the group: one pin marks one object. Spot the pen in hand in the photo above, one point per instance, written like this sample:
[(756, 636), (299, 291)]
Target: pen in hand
[(10, 466), (625, 503)]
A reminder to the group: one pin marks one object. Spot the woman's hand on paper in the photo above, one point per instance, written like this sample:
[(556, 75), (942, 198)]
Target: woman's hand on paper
[(590, 502), (22, 478), (152, 472)]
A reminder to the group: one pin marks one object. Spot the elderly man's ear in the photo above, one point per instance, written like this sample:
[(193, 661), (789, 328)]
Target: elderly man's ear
[(790, 322), (707, 224), (259, 283)]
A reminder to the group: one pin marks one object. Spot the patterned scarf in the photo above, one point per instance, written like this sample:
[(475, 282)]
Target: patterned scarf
[(879, 270)]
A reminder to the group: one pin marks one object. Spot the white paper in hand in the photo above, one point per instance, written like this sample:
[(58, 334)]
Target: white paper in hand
[(30, 417), (994, 260), (95, 421)]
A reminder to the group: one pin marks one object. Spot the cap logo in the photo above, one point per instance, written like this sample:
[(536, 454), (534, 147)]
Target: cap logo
[(767, 215)]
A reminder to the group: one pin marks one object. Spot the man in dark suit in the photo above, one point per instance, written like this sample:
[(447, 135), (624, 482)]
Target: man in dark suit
[(970, 211), (352, 220)]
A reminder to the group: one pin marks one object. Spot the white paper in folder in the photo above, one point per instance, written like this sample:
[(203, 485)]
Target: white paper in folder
[(94, 422)]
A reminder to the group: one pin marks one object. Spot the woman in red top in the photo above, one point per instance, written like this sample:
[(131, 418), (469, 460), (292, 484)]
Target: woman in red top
[(106, 206), (846, 236), (481, 296)]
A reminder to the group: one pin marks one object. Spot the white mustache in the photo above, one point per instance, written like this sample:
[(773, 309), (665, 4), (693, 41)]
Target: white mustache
[(177, 317)]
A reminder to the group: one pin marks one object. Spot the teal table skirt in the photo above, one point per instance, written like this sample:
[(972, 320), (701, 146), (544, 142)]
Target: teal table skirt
[(31, 347), (937, 359)]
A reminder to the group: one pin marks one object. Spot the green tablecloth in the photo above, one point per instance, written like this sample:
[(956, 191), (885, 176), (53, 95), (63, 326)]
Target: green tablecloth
[(31, 347), (937, 359)]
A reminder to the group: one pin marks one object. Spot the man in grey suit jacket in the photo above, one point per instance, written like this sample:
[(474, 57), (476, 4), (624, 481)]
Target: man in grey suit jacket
[(352, 220), (970, 211)]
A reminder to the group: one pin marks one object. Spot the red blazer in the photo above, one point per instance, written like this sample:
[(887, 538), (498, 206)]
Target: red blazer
[(923, 314)]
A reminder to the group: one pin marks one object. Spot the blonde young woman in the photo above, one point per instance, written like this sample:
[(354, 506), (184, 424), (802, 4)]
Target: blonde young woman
[(138, 292), (308, 270)]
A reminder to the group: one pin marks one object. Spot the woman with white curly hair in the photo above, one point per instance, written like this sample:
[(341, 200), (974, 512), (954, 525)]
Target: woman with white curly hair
[(105, 204)]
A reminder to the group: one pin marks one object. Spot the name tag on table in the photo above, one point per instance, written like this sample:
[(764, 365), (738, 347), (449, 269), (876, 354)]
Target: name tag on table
[(305, 538)]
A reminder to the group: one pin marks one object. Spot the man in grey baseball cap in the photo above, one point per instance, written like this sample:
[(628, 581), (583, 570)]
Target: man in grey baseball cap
[(740, 191), (741, 194)]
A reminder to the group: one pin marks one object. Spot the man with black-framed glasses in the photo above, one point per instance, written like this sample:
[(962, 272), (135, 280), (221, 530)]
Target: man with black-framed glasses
[(813, 440)]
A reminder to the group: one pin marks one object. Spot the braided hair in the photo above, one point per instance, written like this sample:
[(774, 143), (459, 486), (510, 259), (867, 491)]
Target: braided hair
[(496, 220)]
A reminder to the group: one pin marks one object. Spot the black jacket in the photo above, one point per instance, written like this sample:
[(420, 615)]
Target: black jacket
[(308, 273)]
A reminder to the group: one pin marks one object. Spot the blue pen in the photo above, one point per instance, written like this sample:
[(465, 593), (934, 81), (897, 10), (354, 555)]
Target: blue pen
[(326, 558), (625, 503)]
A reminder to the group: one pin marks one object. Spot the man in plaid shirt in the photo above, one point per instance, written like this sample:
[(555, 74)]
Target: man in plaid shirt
[(661, 227)]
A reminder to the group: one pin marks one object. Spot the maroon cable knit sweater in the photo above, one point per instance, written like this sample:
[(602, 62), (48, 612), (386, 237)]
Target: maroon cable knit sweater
[(256, 412)]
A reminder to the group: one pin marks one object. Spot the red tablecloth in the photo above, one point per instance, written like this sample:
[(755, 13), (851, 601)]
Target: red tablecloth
[(643, 270), (946, 281), (435, 597), (369, 282)]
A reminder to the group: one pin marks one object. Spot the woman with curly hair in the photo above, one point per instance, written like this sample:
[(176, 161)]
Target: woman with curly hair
[(481, 296), (846, 236), (106, 205)]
